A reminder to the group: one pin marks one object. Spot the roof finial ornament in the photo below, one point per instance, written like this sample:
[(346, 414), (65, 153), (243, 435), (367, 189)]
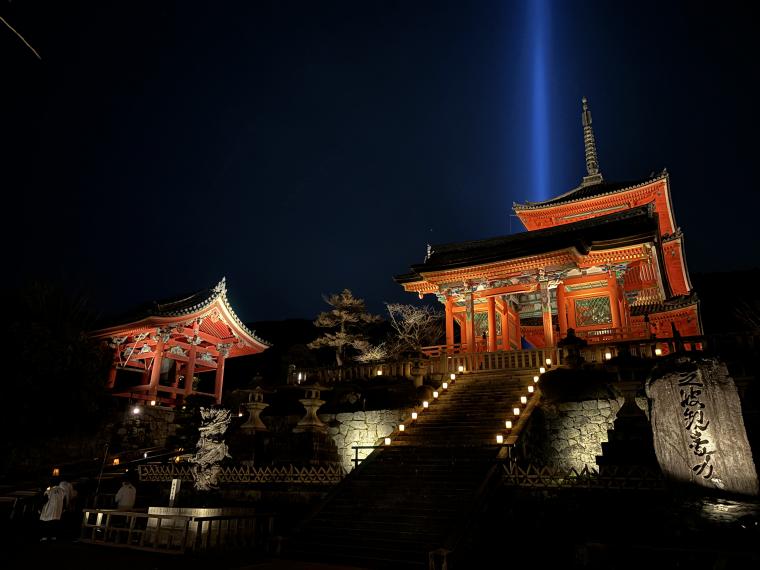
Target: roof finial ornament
[(592, 163)]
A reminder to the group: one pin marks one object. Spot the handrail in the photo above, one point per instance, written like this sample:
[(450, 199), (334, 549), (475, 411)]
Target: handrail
[(451, 542)]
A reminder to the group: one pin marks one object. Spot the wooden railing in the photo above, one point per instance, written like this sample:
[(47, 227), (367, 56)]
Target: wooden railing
[(499, 360), (613, 477), (245, 474), (444, 359)]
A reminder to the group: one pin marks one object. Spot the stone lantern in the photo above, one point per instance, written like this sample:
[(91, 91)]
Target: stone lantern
[(254, 406), (312, 402)]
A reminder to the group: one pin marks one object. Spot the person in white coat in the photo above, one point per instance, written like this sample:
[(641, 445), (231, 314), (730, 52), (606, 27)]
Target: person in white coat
[(125, 496), (50, 515)]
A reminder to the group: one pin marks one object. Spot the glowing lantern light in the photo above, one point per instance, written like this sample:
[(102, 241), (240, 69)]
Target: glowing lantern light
[(56, 472), (531, 389), (387, 441), (445, 385), (523, 399), (136, 410), (116, 461), (401, 427), (145, 455), (379, 372), (152, 402), (541, 370), (425, 404), (461, 368), (240, 414), (177, 459), (414, 415), (499, 438), (608, 355), (452, 376), (548, 361), (508, 424), (658, 352), (535, 379), (435, 393), (516, 411)]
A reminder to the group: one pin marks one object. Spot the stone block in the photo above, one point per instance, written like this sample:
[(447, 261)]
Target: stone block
[(590, 405), (384, 430), (603, 404), (565, 406), (360, 416)]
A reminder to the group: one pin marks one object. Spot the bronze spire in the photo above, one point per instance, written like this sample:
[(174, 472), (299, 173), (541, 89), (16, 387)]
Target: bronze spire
[(592, 164)]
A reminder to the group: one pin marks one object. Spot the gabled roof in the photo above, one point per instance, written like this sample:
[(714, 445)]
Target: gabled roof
[(620, 229), (589, 191), (182, 306)]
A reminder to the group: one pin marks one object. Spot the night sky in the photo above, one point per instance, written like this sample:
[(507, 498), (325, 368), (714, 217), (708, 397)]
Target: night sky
[(302, 147)]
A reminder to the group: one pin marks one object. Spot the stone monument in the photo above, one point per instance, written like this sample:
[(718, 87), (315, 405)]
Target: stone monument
[(699, 434)]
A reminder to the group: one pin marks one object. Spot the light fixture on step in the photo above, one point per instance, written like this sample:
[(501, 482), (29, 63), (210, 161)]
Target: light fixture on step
[(508, 424), (535, 379), (658, 352), (445, 385), (499, 438), (608, 355), (401, 427), (516, 411), (531, 389), (387, 441), (452, 376), (523, 400), (541, 370), (425, 404), (461, 368), (414, 416), (435, 394), (548, 361)]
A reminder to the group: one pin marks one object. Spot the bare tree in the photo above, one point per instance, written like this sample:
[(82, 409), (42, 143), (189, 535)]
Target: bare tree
[(348, 317), (372, 353), (414, 327)]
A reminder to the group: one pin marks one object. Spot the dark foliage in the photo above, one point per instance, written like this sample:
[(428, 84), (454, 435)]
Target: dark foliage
[(576, 385), (55, 377)]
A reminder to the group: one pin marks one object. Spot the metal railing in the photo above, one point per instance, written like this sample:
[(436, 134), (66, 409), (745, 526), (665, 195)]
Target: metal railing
[(175, 533)]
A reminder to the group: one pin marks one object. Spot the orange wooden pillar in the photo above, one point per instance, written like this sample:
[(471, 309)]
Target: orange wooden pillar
[(470, 323), (111, 376), (612, 288), (449, 324), (219, 377), (491, 324), (546, 313), (562, 309), (190, 370), (155, 372), (505, 326)]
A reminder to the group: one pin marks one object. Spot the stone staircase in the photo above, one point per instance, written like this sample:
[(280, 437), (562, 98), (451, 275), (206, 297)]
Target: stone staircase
[(408, 499)]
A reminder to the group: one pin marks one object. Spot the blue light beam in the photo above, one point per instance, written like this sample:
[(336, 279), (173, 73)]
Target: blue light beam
[(538, 23)]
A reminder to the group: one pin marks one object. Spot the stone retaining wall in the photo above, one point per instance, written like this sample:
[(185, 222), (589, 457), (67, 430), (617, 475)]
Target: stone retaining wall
[(575, 430), (361, 428)]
